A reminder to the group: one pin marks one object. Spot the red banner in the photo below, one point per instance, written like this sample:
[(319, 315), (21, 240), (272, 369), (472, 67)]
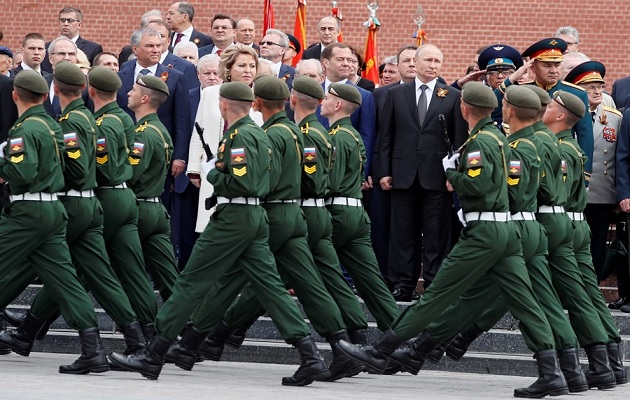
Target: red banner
[(371, 54), (268, 18), (337, 14), (299, 30)]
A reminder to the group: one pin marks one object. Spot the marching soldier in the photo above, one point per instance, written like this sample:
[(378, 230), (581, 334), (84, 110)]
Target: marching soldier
[(33, 226), (235, 240)]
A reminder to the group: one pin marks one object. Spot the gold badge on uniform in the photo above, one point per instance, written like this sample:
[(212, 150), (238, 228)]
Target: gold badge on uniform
[(196, 40), (603, 120), (474, 159), (72, 142), (514, 172), (238, 156), (609, 134), (240, 171), (442, 92), (16, 145)]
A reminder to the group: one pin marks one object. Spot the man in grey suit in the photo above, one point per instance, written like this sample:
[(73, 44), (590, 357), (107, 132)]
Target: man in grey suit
[(412, 144)]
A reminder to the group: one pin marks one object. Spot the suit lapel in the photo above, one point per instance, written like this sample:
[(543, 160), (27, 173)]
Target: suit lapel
[(410, 95), (435, 102)]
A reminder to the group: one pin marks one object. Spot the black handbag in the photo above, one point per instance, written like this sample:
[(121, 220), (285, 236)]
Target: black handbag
[(616, 255)]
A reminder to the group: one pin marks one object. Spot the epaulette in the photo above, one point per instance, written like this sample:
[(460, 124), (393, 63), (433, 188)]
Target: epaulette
[(573, 86), (612, 110)]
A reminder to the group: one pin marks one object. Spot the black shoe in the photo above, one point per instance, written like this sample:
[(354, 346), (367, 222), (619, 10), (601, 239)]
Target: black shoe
[(616, 363), (341, 366), (599, 374), (184, 353), (374, 356), (570, 366), (401, 295), (149, 362), (616, 305), (22, 339), (92, 357), (411, 357), (312, 365), (212, 348), (459, 345), (550, 381), (13, 317), (625, 308)]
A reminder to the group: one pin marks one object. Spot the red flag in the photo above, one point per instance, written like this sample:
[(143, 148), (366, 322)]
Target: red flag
[(371, 55), (299, 30), (337, 14), (268, 18)]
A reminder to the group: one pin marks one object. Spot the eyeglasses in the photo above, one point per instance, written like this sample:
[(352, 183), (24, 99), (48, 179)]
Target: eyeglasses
[(269, 43), (593, 88), (68, 20), (64, 54), (504, 72)]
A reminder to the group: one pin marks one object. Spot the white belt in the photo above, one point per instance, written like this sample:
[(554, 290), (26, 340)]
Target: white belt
[(121, 186), (487, 216), (78, 193), (524, 216), (249, 201), (34, 197), (150, 199), (550, 209), (344, 201), (280, 201), (576, 216), (312, 203)]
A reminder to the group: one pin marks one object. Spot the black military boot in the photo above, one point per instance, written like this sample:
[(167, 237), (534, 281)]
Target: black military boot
[(341, 365), (148, 330), (614, 359), (13, 317), (550, 381), (411, 358), (358, 336), (22, 339), (460, 343), (237, 338), (212, 348), (148, 362), (312, 366), (184, 353), (374, 356), (134, 339), (599, 374), (435, 355), (570, 366), (92, 357)]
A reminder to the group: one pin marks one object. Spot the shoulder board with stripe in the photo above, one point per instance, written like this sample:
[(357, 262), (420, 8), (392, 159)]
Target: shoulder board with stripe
[(574, 86), (612, 110)]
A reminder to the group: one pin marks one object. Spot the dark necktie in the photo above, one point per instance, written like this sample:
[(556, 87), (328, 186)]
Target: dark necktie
[(144, 71), (422, 104), (56, 106), (593, 115), (178, 38)]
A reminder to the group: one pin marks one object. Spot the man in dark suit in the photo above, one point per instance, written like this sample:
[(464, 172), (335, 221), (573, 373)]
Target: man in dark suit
[(60, 49), (71, 21), (34, 52), (179, 18), (146, 19), (327, 32), (174, 113), (8, 111), (223, 34), (411, 147), (272, 47), (621, 91), (246, 33), (172, 61)]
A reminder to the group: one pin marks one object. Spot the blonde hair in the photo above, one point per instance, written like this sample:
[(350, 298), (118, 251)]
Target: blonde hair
[(228, 57), (82, 61)]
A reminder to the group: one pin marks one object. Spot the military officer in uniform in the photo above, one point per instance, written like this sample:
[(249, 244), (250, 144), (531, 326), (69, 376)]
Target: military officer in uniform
[(236, 238), (561, 115), (85, 223), (489, 244), (33, 226), (149, 155)]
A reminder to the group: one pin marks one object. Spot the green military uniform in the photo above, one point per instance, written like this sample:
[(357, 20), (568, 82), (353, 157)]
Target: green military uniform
[(236, 239), (489, 244), (524, 174), (85, 224), (33, 226), (150, 155), (351, 224), (576, 203)]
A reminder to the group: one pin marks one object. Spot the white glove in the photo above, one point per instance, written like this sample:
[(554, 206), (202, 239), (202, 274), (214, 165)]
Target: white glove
[(449, 162), (2, 146), (208, 166), (460, 216)]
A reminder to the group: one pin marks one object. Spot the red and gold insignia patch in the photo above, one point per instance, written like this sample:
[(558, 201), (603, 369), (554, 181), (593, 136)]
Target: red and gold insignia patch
[(164, 76), (71, 140), (474, 159), (238, 156), (16, 145), (609, 134)]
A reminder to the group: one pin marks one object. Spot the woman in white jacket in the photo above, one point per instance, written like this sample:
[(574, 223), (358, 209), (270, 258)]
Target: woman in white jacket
[(237, 63)]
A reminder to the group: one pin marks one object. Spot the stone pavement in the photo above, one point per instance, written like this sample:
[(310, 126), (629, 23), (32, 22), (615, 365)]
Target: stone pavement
[(36, 378)]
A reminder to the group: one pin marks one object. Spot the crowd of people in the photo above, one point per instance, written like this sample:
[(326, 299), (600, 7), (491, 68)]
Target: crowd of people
[(208, 167)]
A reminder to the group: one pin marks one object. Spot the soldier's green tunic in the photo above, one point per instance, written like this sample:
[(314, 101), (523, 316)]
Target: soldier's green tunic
[(236, 239), (149, 156), (524, 174), (351, 224), (33, 233), (485, 247), (575, 160), (287, 240), (85, 223)]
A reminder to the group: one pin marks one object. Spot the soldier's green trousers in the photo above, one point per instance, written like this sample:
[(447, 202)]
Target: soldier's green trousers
[(154, 229), (236, 241), (483, 299), (484, 249), (33, 243), (292, 252), (352, 242), (582, 246), (84, 235)]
